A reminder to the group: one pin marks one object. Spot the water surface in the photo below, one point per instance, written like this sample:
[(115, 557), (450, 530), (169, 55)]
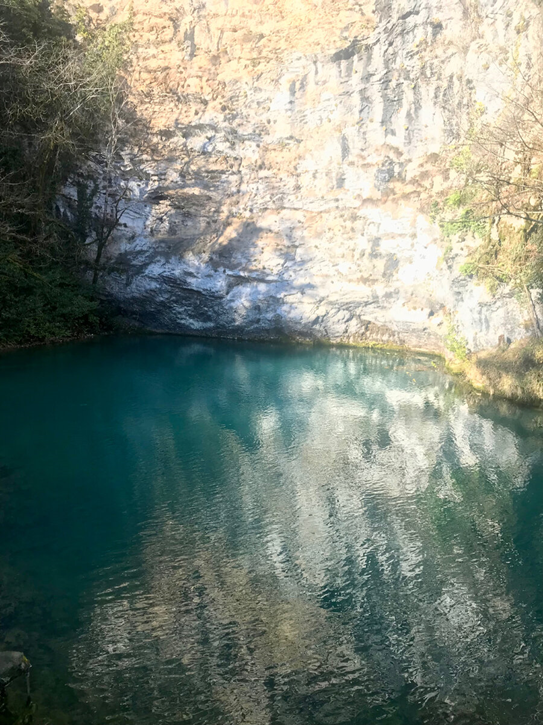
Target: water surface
[(229, 533)]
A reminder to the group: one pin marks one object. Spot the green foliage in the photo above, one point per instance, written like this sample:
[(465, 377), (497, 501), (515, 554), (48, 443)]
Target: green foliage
[(460, 198), (456, 217), (456, 343), (86, 193), (462, 160), (455, 200), (47, 305), (501, 162), (466, 222), (59, 83), (453, 223), (26, 22), (446, 252), (434, 212), (512, 255), (468, 269)]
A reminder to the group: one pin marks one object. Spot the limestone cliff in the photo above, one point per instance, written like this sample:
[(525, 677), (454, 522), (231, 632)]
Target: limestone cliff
[(290, 155)]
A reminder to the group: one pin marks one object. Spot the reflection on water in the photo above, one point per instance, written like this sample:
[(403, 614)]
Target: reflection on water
[(220, 533)]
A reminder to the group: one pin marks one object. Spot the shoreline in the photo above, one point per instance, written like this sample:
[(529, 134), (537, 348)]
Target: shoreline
[(514, 373)]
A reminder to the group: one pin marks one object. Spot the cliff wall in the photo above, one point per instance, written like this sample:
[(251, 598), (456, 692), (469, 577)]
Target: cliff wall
[(286, 157)]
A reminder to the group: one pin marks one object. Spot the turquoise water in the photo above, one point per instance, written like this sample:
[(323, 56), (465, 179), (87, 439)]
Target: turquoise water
[(224, 533)]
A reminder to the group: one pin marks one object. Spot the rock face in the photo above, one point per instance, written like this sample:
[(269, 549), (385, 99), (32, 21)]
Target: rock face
[(291, 153)]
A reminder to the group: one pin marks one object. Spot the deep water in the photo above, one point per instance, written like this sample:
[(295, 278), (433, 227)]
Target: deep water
[(226, 533)]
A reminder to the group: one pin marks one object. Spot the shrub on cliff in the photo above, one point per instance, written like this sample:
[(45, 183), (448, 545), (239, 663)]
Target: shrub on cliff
[(501, 163), (59, 89)]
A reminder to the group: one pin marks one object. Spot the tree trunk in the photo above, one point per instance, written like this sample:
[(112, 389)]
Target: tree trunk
[(99, 251), (533, 311)]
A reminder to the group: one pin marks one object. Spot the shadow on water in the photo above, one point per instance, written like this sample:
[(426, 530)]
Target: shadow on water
[(229, 532)]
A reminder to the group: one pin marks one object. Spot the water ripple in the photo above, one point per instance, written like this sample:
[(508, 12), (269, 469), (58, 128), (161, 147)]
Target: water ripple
[(272, 536)]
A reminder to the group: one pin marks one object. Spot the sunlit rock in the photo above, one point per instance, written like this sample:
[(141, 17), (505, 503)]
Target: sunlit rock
[(284, 160)]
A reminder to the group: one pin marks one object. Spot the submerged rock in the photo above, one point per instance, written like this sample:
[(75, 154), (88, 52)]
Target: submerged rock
[(12, 664)]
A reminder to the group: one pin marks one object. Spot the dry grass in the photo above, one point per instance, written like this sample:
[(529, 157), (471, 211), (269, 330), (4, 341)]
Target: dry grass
[(515, 373)]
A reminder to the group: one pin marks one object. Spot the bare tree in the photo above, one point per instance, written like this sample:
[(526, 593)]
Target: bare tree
[(114, 202), (501, 163), (505, 160)]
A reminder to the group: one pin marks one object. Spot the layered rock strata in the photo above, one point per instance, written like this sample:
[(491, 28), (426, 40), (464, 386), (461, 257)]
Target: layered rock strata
[(291, 151)]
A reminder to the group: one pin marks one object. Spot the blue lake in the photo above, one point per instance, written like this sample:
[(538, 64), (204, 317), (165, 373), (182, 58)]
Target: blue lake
[(226, 533)]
